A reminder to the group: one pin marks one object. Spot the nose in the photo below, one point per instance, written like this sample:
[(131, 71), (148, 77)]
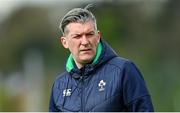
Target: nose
[(84, 40)]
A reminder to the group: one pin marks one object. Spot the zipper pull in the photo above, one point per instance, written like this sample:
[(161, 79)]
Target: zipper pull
[(81, 77)]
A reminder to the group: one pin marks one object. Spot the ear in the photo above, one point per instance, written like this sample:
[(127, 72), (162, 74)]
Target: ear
[(64, 42), (99, 35)]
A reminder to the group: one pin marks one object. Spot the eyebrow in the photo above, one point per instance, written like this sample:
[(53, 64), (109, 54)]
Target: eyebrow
[(91, 31), (82, 33)]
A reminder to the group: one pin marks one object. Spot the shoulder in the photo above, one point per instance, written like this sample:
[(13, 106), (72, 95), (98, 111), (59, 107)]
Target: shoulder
[(121, 63), (61, 76), (61, 79), (127, 68)]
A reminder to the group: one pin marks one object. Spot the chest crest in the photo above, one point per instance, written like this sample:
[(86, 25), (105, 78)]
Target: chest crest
[(102, 85)]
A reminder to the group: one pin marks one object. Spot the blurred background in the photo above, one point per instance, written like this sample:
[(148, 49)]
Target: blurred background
[(145, 31)]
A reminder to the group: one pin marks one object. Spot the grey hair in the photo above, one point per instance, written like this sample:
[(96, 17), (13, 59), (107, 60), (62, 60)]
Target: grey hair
[(77, 15)]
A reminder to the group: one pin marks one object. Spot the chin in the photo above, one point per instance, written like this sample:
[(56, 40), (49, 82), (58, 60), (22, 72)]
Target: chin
[(87, 60)]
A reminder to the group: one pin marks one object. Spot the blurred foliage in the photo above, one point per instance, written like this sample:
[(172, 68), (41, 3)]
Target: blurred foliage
[(153, 43)]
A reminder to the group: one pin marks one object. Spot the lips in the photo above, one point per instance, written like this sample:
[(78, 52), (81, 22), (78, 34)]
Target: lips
[(85, 50)]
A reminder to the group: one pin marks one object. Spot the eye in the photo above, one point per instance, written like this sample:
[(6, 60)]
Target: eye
[(77, 36), (90, 34)]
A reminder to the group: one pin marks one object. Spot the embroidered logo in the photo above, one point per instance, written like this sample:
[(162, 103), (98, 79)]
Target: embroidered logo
[(67, 92), (101, 85)]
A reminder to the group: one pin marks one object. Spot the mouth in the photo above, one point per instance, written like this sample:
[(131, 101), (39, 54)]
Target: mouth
[(85, 50)]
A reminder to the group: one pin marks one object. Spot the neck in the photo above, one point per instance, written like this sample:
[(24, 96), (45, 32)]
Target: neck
[(80, 65)]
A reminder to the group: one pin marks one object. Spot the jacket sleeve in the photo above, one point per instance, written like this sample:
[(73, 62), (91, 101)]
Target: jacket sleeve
[(52, 106), (135, 93)]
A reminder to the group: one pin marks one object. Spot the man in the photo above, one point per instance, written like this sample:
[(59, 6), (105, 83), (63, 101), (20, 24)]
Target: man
[(96, 79)]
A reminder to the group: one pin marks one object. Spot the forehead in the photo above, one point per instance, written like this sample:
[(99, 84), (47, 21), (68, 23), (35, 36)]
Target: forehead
[(78, 28)]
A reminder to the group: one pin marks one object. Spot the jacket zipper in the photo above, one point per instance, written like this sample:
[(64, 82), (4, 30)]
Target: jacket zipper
[(82, 91)]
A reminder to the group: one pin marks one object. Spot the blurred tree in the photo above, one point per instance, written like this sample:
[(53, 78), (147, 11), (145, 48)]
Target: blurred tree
[(26, 28)]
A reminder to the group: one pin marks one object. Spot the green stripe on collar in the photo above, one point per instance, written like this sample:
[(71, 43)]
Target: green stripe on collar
[(70, 62)]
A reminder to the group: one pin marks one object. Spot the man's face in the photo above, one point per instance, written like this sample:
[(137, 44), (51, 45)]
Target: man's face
[(82, 40)]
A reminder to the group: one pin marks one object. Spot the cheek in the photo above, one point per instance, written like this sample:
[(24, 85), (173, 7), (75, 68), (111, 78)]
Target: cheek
[(73, 47)]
